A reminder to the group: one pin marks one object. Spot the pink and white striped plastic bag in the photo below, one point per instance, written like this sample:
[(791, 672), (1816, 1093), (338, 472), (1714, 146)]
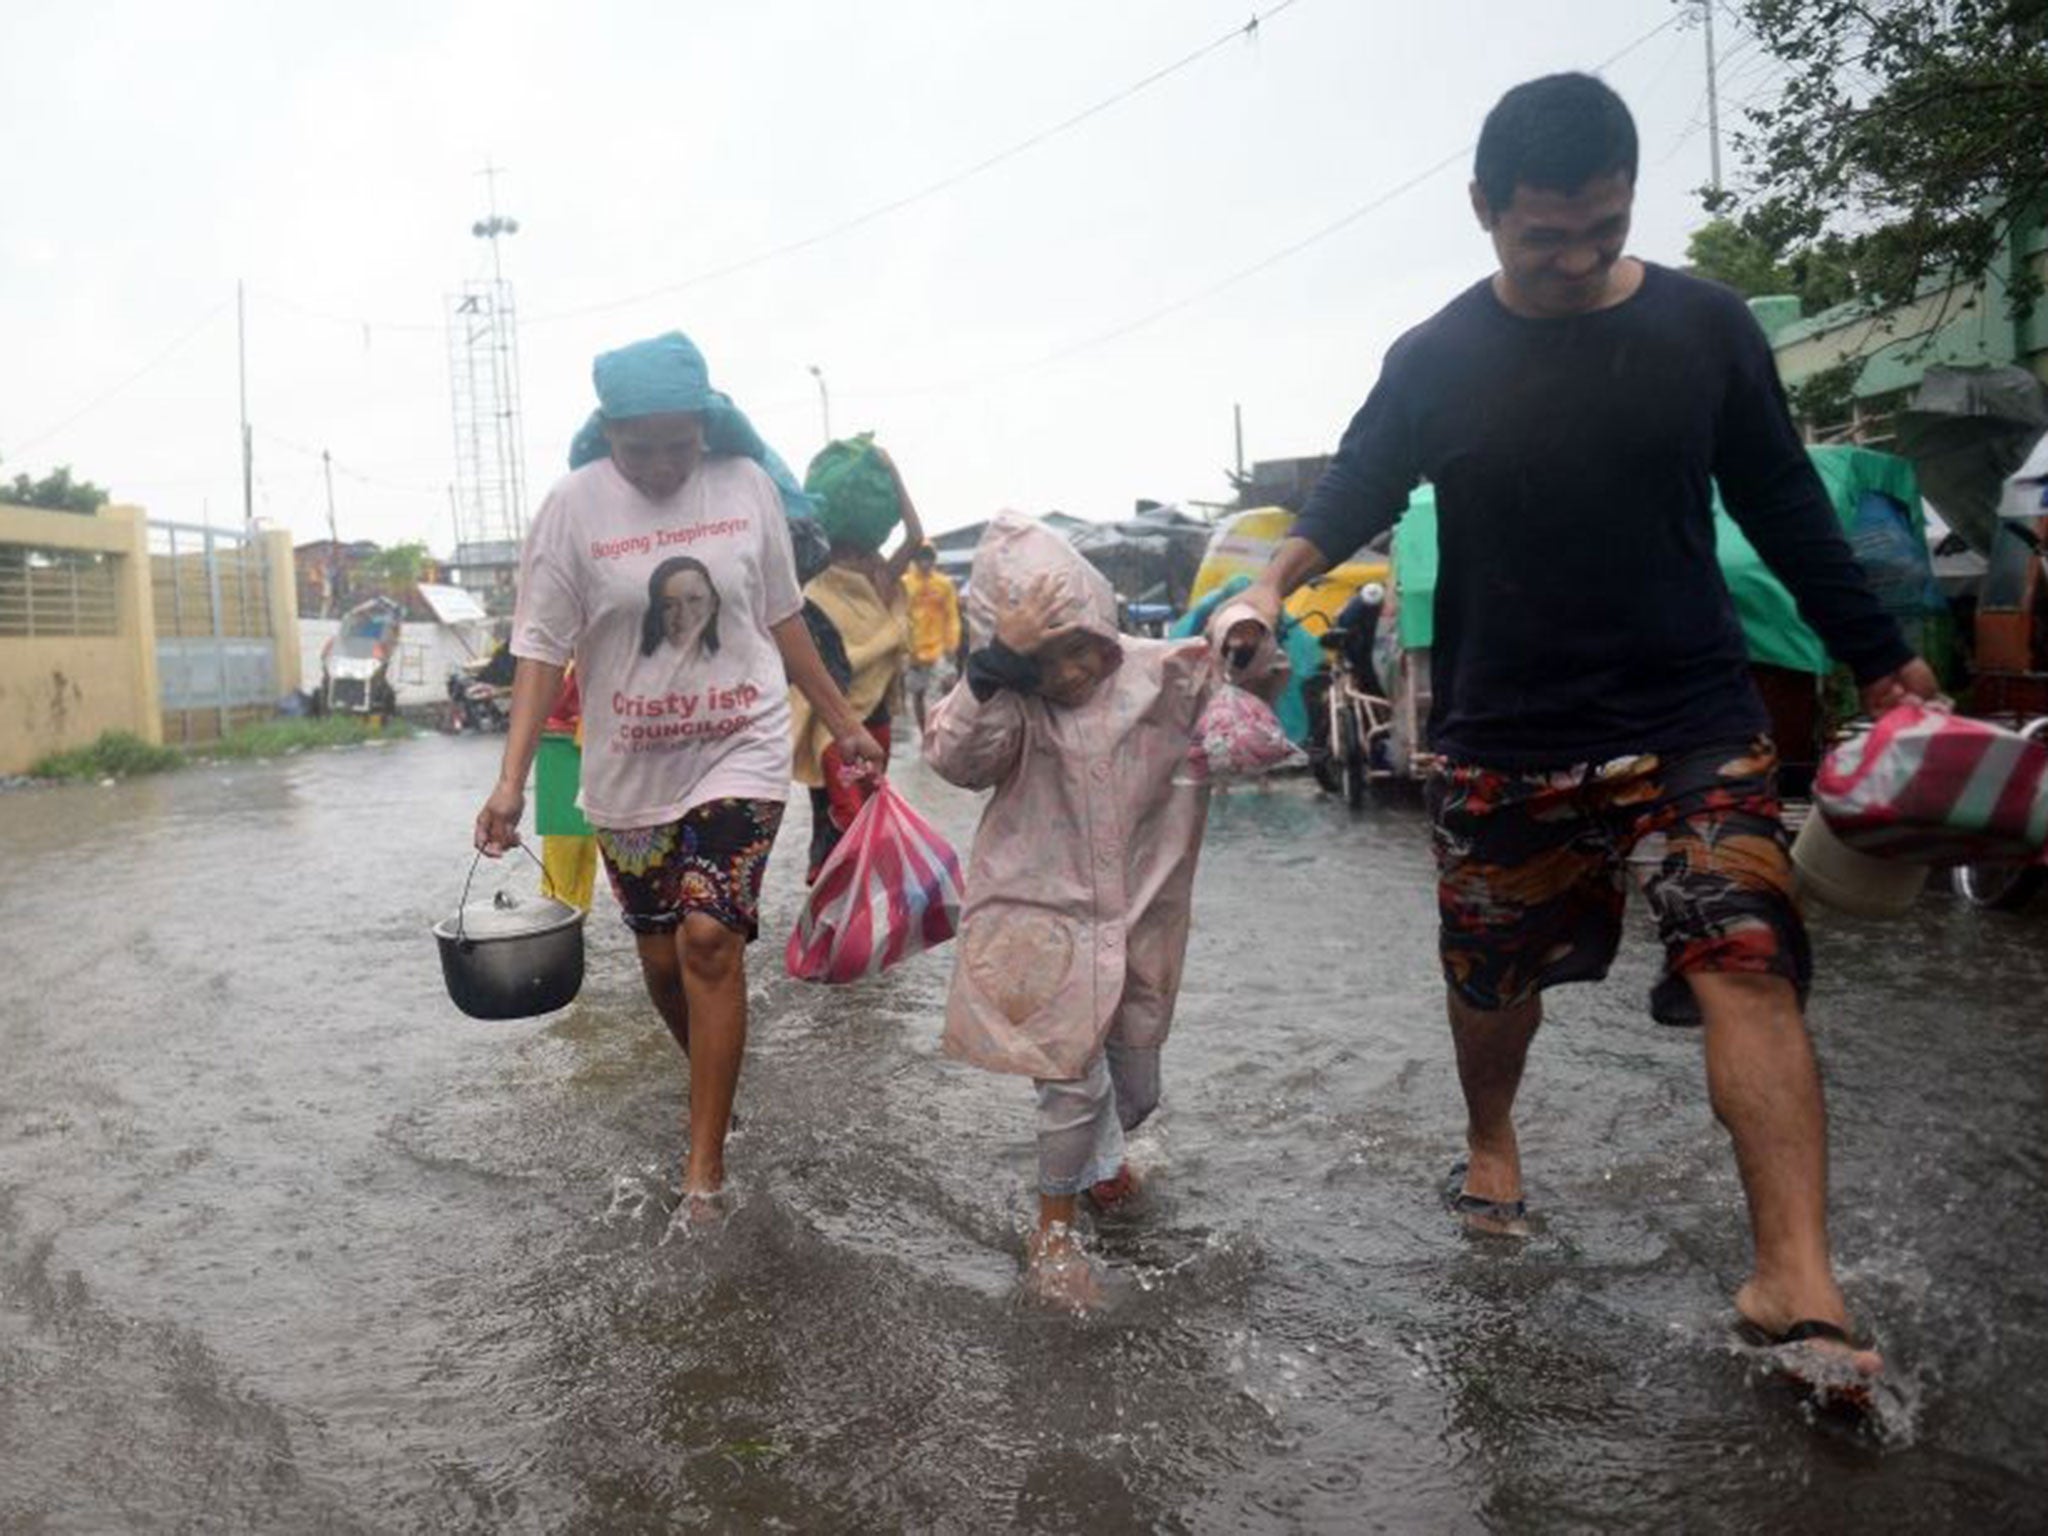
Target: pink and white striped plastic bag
[(890, 889), (1931, 787)]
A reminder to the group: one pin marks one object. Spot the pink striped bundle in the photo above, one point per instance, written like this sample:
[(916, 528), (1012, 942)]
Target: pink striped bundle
[(890, 889), (1931, 787)]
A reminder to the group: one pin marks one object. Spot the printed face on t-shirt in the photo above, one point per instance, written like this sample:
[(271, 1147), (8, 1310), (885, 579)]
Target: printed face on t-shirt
[(682, 610), (687, 605)]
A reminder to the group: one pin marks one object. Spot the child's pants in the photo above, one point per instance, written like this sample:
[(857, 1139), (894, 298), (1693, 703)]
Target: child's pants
[(1082, 1120)]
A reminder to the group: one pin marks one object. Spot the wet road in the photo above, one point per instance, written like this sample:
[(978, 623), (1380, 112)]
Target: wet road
[(288, 1244)]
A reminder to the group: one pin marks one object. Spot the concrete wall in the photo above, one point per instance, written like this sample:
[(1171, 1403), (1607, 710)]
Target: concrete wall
[(61, 691), (1964, 326)]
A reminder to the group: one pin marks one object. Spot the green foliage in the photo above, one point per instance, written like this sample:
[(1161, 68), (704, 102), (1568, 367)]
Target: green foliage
[(280, 738), (121, 755), (55, 492), (1826, 397), (1724, 251), (1905, 143), (1734, 252), (396, 568), (114, 755)]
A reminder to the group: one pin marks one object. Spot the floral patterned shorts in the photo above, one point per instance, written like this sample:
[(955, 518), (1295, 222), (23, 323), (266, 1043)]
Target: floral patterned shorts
[(1533, 870), (711, 861)]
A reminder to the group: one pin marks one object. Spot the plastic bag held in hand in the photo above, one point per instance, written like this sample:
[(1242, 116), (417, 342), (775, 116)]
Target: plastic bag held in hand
[(890, 889), (1238, 737), (1931, 787)]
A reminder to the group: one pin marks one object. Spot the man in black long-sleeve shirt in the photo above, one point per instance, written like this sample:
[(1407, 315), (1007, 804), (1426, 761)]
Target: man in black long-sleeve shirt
[(1592, 700)]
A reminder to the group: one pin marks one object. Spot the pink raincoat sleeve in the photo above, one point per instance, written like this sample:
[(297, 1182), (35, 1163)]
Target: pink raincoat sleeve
[(974, 744)]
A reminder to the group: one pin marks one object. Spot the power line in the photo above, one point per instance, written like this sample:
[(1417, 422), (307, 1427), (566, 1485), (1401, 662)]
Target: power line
[(111, 391), (1250, 29), (944, 184), (1275, 258), (1343, 221), (1102, 338), (347, 472), (331, 317)]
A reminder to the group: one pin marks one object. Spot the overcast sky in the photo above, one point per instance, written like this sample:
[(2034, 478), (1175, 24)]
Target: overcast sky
[(989, 333)]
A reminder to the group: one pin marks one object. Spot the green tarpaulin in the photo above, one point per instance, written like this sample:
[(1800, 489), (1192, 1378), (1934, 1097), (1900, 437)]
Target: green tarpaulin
[(1415, 570), (1875, 495)]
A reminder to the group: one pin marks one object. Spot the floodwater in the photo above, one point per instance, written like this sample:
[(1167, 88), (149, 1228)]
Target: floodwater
[(287, 1244)]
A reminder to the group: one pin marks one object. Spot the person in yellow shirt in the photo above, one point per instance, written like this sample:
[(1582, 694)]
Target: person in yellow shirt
[(934, 631)]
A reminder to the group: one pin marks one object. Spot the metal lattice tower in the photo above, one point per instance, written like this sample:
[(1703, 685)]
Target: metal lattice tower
[(483, 382)]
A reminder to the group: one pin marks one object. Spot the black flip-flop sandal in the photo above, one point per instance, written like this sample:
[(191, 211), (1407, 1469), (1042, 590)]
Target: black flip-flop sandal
[(1853, 1397), (1461, 1203), (1798, 1333)]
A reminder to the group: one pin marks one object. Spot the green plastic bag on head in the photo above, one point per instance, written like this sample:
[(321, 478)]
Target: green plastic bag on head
[(856, 493)]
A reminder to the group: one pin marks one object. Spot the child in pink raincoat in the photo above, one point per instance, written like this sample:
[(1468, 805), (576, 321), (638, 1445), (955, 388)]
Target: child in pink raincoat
[(1076, 917)]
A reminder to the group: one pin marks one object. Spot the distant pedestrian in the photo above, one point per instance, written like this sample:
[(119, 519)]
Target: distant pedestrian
[(568, 859), (860, 596), (934, 632)]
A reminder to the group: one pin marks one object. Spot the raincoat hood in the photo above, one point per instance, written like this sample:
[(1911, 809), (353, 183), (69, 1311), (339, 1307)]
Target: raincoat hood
[(1013, 553), (1079, 887), (666, 374)]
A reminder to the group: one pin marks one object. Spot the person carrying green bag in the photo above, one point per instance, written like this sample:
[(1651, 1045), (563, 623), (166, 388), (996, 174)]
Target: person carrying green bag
[(860, 499)]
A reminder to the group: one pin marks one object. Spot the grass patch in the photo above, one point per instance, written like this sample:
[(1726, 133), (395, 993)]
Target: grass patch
[(115, 755), (121, 755), (278, 738)]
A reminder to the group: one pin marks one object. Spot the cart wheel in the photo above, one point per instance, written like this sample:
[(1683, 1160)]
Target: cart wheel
[(1322, 761), (1329, 778), (1998, 887), (1351, 756)]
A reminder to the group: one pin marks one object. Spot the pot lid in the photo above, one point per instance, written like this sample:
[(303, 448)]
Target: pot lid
[(506, 916)]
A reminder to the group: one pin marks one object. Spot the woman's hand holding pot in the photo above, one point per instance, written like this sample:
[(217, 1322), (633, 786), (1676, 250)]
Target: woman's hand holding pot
[(497, 824)]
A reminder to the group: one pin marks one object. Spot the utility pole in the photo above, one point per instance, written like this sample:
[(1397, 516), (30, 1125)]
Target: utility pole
[(1237, 415), (333, 540), (248, 446), (1713, 99), (824, 399)]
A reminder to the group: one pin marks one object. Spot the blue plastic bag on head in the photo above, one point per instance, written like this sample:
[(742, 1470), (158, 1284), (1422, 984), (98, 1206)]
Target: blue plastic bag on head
[(665, 374)]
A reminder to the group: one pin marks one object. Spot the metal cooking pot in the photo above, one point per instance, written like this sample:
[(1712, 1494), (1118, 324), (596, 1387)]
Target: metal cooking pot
[(511, 957)]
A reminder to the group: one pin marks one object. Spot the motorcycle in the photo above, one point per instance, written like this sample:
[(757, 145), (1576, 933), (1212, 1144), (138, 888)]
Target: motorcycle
[(476, 705)]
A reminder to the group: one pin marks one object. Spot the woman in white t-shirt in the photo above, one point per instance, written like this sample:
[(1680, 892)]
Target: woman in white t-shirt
[(661, 565)]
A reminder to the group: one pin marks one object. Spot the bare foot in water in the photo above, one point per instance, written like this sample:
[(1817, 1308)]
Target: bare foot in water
[(1113, 1192), (1061, 1274), (704, 1200)]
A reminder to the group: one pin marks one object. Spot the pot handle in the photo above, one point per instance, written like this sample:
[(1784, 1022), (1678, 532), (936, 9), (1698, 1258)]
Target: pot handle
[(474, 865)]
